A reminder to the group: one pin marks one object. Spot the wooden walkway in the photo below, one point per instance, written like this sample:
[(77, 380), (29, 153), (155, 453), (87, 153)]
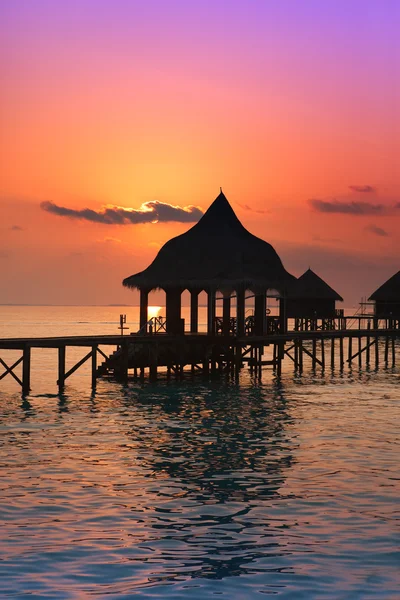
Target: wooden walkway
[(148, 353)]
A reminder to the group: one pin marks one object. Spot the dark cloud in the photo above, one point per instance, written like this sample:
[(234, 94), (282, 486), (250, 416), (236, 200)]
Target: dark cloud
[(16, 228), (348, 208), (150, 212), (377, 230), (365, 189), (247, 207)]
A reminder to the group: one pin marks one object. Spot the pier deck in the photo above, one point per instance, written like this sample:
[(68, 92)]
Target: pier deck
[(205, 352)]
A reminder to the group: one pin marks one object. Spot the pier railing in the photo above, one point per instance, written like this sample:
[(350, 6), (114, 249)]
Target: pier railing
[(154, 325)]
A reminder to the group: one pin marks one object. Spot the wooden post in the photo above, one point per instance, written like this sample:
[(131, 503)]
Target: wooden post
[(194, 311), (280, 355), (124, 361), (314, 353), (393, 352), (153, 363), (238, 358), (144, 302), (341, 353), (226, 314), (240, 311), (386, 351), (322, 354), (173, 311), (376, 352), (26, 370), (211, 312), (300, 355), (260, 307), (282, 315), (359, 352), (350, 352), (332, 353), (94, 366), (61, 367)]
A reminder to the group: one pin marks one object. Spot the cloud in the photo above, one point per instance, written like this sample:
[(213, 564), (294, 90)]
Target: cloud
[(149, 212), (377, 230), (365, 189), (247, 207), (349, 208), (16, 228)]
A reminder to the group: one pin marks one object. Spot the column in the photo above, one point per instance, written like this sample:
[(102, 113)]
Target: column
[(211, 312), (194, 311), (282, 315), (173, 310), (240, 311), (144, 302), (260, 307), (226, 314)]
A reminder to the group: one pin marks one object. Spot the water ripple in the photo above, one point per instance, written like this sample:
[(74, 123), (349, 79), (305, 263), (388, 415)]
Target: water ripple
[(198, 490)]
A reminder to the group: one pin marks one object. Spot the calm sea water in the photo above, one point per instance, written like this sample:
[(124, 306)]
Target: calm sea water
[(196, 489)]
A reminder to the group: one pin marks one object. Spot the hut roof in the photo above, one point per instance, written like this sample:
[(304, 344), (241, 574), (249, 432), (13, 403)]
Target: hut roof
[(310, 285), (389, 291), (216, 253)]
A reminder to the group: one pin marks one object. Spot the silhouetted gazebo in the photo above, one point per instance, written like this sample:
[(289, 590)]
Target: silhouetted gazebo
[(387, 298), (216, 254), (311, 297)]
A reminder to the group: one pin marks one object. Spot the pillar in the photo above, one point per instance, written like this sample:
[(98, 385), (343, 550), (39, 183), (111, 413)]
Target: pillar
[(144, 302), (260, 307), (173, 310), (240, 311), (282, 315), (226, 314), (211, 312), (194, 311)]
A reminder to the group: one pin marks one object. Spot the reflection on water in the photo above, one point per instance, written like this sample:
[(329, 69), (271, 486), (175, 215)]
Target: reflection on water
[(199, 489)]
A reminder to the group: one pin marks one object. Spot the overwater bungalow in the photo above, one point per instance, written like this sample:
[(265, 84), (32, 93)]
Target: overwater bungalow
[(387, 298), (311, 297), (216, 255)]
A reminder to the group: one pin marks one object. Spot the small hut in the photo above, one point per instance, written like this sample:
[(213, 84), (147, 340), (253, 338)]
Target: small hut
[(311, 297), (216, 254), (387, 298)]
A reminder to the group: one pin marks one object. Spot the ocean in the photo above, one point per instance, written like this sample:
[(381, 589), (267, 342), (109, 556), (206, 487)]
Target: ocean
[(196, 489)]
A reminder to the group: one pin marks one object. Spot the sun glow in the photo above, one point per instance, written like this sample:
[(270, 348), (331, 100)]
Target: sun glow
[(153, 311)]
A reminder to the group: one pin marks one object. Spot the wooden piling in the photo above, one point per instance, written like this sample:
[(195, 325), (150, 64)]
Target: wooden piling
[(61, 367), (341, 361), (350, 351), (314, 354), (332, 353), (94, 366), (26, 370), (386, 355)]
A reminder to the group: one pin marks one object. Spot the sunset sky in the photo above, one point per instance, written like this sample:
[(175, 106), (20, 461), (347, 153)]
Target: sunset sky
[(292, 107)]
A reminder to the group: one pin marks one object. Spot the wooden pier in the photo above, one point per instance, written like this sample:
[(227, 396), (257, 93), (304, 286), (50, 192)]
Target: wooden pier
[(151, 353)]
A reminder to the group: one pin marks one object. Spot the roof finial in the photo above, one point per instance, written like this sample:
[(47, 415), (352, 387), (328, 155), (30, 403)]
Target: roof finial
[(220, 189)]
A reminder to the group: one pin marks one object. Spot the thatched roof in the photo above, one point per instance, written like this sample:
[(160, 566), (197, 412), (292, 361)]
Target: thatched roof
[(389, 291), (309, 285), (216, 253)]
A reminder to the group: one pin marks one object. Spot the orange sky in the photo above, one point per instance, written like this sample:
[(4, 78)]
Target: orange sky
[(116, 103)]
